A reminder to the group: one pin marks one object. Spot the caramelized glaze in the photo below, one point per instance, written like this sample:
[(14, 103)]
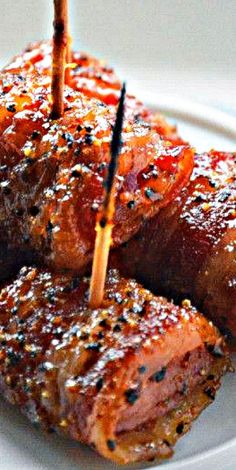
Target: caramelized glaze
[(52, 172), (189, 249), (108, 376)]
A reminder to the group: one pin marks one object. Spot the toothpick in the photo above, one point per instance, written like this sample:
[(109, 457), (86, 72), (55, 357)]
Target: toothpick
[(68, 60), (60, 45), (104, 223)]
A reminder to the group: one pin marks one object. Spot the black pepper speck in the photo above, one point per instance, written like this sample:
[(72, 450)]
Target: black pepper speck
[(149, 193), (210, 393), (215, 350), (131, 396), (14, 358), (103, 323), (111, 444), (122, 319), (117, 328), (180, 428), (76, 174), (34, 210), (35, 135), (88, 139), (159, 375), (11, 108), (93, 347), (99, 384), (131, 204), (142, 369)]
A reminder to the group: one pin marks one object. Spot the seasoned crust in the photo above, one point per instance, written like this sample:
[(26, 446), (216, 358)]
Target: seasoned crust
[(96, 375), (52, 172), (188, 249)]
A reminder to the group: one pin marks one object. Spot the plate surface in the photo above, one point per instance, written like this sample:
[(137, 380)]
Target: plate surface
[(211, 444)]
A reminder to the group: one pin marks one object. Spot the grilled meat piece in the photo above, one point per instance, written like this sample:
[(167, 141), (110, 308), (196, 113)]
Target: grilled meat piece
[(52, 174), (190, 248), (93, 78), (127, 378)]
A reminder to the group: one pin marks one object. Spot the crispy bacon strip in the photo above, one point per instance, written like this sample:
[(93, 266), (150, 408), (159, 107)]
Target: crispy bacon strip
[(127, 378), (95, 79), (190, 248), (52, 173)]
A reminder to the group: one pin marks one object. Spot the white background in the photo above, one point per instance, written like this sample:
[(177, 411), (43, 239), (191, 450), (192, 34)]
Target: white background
[(177, 47)]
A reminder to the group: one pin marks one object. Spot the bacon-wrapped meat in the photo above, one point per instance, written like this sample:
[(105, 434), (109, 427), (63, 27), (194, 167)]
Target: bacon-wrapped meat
[(93, 78), (52, 173), (127, 378), (190, 248)]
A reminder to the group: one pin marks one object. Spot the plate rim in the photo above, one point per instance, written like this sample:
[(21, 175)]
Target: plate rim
[(206, 115)]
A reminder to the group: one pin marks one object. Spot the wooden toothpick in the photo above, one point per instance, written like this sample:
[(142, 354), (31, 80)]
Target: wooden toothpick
[(68, 60), (104, 223), (60, 49)]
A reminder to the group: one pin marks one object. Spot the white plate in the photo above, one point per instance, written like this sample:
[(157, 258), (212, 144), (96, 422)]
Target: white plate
[(211, 444)]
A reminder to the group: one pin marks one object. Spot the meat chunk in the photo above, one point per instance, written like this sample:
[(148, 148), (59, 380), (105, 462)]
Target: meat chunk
[(52, 173), (127, 378), (95, 79), (190, 248)]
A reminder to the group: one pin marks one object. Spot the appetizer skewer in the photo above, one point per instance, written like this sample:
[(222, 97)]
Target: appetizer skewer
[(192, 247), (52, 173), (127, 378), (104, 225), (93, 78)]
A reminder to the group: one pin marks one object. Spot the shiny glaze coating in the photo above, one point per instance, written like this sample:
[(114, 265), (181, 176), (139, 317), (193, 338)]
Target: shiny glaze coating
[(52, 173), (127, 378), (95, 79), (190, 248)]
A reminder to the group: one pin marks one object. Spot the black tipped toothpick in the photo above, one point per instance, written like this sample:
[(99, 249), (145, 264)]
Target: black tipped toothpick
[(116, 142), (104, 224)]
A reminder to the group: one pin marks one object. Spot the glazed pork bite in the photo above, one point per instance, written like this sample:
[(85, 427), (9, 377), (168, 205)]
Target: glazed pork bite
[(95, 79), (189, 249), (127, 378), (52, 174)]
